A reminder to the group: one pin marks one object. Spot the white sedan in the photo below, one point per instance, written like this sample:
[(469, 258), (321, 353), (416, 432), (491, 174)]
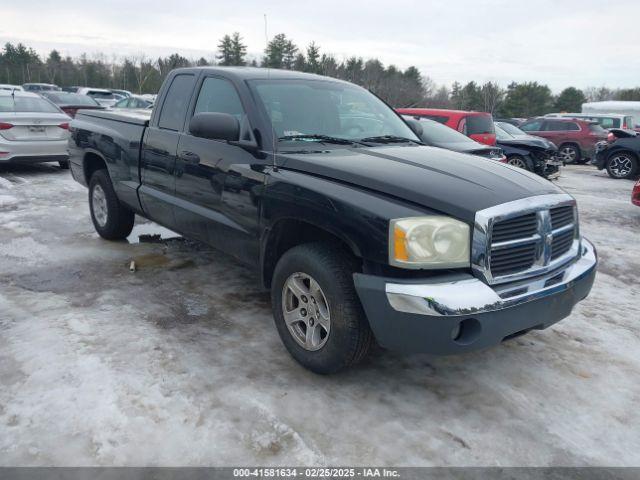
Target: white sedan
[(32, 129)]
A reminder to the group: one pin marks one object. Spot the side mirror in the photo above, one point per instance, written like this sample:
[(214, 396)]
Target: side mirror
[(415, 126), (215, 126)]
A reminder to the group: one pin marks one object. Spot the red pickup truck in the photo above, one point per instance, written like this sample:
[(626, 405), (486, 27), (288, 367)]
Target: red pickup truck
[(476, 125)]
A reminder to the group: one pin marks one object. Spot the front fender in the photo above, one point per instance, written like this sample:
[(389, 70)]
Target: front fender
[(357, 216)]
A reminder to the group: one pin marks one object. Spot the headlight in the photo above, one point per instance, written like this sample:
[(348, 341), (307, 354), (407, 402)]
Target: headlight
[(429, 242)]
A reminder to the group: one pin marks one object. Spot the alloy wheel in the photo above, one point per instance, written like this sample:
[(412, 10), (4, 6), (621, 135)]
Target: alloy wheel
[(518, 162), (568, 154), (99, 205), (306, 311), (620, 166)]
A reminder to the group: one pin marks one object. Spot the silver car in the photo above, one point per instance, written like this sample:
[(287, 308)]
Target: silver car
[(104, 97), (32, 129)]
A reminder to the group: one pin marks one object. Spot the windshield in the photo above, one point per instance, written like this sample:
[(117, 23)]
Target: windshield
[(436, 133), (325, 108), (502, 135), (26, 104), (71, 99), (101, 95), (512, 129)]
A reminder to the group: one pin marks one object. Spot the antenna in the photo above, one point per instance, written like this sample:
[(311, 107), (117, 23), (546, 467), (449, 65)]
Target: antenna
[(273, 130)]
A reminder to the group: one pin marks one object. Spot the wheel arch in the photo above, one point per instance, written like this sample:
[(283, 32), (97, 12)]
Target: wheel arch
[(91, 162), (289, 232), (633, 154)]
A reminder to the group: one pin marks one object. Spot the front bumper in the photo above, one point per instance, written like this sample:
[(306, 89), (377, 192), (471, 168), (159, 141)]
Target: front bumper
[(600, 160), (458, 313)]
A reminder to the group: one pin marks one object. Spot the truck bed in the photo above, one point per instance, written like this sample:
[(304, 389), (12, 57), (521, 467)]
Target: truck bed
[(134, 116)]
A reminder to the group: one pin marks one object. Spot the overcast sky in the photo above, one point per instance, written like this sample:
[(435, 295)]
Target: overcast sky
[(558, 42)]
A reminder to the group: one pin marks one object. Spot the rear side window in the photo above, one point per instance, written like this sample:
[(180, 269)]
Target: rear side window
[(176, 102), (479, 124), (218, 95), (628, 122), (556, 126)]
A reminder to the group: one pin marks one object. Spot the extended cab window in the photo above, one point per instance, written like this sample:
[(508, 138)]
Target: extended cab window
[(176, 103), (219, 95)]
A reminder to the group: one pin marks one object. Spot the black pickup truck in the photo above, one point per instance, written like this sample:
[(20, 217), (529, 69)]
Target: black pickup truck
[(360, 232)]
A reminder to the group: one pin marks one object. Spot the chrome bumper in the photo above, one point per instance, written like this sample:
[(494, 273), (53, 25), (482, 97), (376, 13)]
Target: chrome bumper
[(466, 295)]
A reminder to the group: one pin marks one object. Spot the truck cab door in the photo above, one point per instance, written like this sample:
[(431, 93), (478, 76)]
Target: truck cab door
[(159, 150), (218, 185)]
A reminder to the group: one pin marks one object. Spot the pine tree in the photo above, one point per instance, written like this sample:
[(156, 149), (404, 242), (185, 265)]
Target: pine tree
[(313, 58), (238, 50), (225, 47)]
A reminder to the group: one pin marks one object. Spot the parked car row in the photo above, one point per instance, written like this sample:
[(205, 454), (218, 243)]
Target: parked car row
[(105, 97), (34, 118), (477, 133)]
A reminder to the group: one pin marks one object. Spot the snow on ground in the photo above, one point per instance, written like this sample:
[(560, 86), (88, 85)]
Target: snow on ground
[(180, 364)]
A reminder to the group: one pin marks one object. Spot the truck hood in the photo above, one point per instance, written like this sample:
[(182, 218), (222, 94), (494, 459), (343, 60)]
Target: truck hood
[(474, 148), (452, 183)]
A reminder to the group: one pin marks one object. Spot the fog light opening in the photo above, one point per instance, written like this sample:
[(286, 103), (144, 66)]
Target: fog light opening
[(466, 332)]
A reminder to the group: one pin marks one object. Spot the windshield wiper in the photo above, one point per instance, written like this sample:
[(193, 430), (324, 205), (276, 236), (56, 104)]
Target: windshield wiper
[(390, 139), (320, 138)]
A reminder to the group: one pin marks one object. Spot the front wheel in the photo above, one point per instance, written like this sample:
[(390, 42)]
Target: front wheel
[(622, 165), (111, 219), (520, 162), (316, 308)]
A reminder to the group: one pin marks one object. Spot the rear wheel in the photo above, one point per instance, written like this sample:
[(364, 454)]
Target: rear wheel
[(316, 308), (569, 153), (622, 165), (111, 219)]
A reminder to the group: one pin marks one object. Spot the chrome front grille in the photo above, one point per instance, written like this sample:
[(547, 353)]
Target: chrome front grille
[(525, 238)]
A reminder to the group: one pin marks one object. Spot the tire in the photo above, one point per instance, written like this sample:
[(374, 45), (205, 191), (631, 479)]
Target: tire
[(111, 219), (622, 165), (348, 338), (64, 164), (569, 153), (520, 161)]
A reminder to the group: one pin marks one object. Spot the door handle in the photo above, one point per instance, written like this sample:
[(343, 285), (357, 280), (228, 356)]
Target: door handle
[(189, 157)]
